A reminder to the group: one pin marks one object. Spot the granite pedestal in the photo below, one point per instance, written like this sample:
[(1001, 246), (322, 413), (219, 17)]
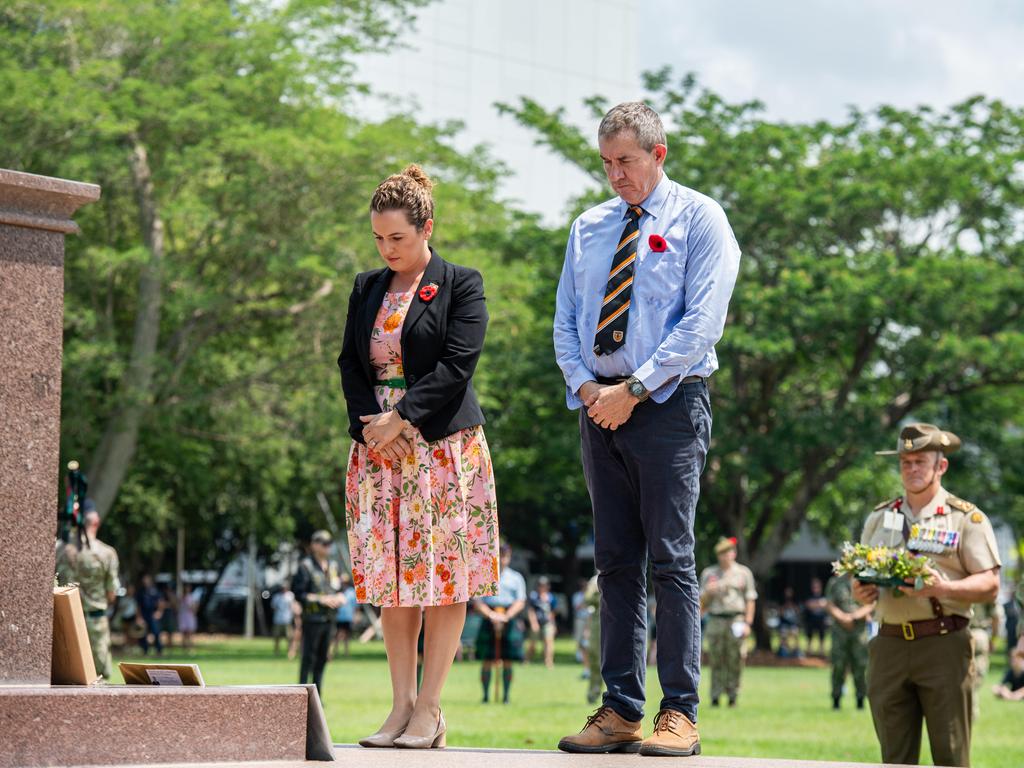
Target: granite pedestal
[(43, 725)]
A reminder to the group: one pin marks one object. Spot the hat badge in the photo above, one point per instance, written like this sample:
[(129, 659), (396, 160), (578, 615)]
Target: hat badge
[(944, 440), (908, 444)]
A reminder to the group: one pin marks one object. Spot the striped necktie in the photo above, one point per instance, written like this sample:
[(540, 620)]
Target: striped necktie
[(611, 324)]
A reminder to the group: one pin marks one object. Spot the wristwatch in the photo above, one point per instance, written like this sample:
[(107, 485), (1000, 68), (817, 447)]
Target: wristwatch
[(637, 389)]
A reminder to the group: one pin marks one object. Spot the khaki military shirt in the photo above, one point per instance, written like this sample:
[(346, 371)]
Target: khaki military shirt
[(727, 592), (839, 592), (93, 568), (963, 542)]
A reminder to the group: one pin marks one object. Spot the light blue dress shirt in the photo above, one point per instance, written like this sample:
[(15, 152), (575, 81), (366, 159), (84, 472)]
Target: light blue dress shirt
[(680, 296), (511, 588)]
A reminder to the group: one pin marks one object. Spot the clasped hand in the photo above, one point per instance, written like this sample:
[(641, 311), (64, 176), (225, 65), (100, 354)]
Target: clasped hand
[(608, 405), (934, 586), (388, 435)]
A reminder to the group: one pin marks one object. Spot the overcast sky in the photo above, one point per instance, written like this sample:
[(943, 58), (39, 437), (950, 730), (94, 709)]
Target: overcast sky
[(808, 59)]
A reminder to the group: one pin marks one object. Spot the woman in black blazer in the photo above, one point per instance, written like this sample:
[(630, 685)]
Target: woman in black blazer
[(419, 492)]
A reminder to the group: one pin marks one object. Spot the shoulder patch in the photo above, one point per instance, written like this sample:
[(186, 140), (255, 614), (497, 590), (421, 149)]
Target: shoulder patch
[(888, 503), (963, 506)]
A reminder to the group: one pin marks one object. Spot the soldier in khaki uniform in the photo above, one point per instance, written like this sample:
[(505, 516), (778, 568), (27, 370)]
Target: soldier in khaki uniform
[(728, 597), (849, 638), (920, 662), (92, 565)]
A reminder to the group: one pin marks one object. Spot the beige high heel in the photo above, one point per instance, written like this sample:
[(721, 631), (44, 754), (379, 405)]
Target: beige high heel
[(382, 739), (435, 740)]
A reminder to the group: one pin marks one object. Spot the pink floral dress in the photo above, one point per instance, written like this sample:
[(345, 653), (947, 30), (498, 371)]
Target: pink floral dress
[(426, 532)]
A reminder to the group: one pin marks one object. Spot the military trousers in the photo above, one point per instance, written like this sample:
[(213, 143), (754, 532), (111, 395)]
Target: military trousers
[(931, 679), (982, 650), (849, 655), (725, 655), (595, 684), (316, 642), (98, 629), (644, 481)]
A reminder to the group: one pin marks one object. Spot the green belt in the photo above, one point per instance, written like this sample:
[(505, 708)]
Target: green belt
[(398, 383)]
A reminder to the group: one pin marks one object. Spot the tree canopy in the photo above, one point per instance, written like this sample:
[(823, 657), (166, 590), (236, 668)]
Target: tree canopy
[(880, 281)]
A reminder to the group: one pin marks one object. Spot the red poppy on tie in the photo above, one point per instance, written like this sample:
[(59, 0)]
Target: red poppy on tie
[(657, 243)]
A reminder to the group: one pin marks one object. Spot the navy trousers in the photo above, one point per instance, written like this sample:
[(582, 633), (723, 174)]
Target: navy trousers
[(644, 482)]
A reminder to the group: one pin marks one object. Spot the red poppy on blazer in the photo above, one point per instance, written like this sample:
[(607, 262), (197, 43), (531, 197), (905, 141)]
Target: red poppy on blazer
[(657, 243), (428, 292)]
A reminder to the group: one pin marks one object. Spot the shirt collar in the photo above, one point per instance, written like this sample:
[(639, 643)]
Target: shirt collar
[(654, 203), (931, 509)]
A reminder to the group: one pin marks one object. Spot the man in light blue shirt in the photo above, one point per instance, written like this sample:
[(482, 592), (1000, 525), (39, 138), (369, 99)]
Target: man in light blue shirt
[(500, 639), (642, 300)]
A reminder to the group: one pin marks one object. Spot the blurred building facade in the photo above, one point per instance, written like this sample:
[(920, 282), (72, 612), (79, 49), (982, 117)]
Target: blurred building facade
[(462, 56)]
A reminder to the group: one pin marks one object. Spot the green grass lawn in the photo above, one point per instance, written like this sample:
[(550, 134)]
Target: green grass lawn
[(783, 712)]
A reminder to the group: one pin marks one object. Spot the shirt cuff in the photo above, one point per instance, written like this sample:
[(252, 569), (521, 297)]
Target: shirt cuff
[(652, 375), (577, 379)]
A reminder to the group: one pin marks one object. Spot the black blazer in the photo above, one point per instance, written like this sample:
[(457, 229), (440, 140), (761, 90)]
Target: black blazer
[(441, 343)]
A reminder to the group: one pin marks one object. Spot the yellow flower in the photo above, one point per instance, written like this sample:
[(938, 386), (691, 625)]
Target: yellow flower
[(392, 322)]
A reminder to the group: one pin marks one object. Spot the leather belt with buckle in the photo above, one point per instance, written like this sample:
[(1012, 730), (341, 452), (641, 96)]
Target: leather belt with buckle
[(915, 630)]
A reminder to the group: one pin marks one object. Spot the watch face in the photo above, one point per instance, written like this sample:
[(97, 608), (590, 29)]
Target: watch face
[(636, 388)]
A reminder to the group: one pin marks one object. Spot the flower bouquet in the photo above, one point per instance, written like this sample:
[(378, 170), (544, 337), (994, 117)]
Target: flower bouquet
[(884, 566)]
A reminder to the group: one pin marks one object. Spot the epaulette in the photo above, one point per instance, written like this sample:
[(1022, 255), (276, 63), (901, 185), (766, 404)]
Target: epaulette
[(958, 503), (888, 503)]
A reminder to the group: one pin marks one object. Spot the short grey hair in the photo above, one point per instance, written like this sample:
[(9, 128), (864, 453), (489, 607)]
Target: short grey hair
[(637, 117)]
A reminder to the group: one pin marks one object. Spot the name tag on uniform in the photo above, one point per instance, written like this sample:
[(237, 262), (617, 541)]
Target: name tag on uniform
[(893, 520), (934, 540)]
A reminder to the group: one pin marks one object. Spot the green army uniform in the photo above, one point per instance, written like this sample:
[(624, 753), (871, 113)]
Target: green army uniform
[(849, 646), (725, 606), (592, 599), (981, 626), (93, 567)]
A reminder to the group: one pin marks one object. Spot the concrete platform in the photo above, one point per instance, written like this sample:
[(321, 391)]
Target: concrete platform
[(351, 756)]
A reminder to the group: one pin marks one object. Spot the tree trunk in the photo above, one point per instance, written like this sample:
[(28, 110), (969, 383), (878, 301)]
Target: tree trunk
[(116, 449)]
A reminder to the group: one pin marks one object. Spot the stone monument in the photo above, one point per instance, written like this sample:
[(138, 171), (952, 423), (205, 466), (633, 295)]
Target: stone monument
[(44, 725)]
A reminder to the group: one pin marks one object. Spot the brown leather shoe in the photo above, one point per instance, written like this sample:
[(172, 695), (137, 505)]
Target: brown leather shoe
[(674, 736), (605, 731)]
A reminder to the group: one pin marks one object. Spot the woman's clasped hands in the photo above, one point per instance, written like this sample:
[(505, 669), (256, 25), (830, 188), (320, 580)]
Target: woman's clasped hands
[(388, 435)]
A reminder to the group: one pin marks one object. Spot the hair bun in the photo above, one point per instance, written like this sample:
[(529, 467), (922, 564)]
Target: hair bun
[(416, 173)]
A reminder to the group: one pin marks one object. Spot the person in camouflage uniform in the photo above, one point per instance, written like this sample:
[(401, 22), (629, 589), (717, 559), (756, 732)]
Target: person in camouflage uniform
[(93, 566), (984, 626), (592, 599), (728, 597), (849, 638)]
